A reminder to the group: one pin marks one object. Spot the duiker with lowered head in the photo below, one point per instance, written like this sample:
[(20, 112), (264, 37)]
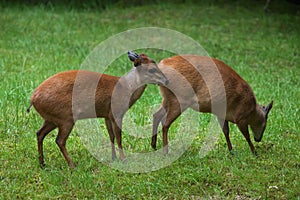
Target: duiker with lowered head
[(199, 82)]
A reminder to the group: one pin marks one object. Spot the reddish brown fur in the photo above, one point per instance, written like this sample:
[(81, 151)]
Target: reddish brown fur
[(68, 96), (201, 75)]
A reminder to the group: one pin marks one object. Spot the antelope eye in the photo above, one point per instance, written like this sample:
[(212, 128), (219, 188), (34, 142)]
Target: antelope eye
[(153, 70)]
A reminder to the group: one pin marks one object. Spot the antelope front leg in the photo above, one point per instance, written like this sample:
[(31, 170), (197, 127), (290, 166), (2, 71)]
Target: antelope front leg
[(244, 129), (111, 137), (117, 128)]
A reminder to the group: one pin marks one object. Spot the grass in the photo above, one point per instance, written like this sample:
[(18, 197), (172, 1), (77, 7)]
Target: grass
[(39, 41)]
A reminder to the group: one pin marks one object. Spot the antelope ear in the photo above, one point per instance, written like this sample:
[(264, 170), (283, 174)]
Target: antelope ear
[(268, 107), (132, 56), (135, 58)]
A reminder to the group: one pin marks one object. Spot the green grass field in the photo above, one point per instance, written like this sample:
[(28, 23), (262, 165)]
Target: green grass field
[(263, 47)]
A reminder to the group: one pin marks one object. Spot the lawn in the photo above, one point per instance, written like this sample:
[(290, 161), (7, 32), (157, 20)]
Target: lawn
[(37, 41)]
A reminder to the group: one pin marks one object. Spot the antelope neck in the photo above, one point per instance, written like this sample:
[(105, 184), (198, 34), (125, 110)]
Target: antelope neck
[(131, 80)]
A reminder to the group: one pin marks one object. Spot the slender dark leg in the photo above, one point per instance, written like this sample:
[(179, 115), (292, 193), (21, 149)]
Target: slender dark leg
[(63, 134), (117, 129), (157, 118), (111, 136), (244, 129), (225, 129), (41, 134), (172, 114)]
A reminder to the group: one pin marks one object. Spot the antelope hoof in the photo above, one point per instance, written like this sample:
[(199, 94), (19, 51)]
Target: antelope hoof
[(255, 153), (42, 165), (232, 152), (154, 147)]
